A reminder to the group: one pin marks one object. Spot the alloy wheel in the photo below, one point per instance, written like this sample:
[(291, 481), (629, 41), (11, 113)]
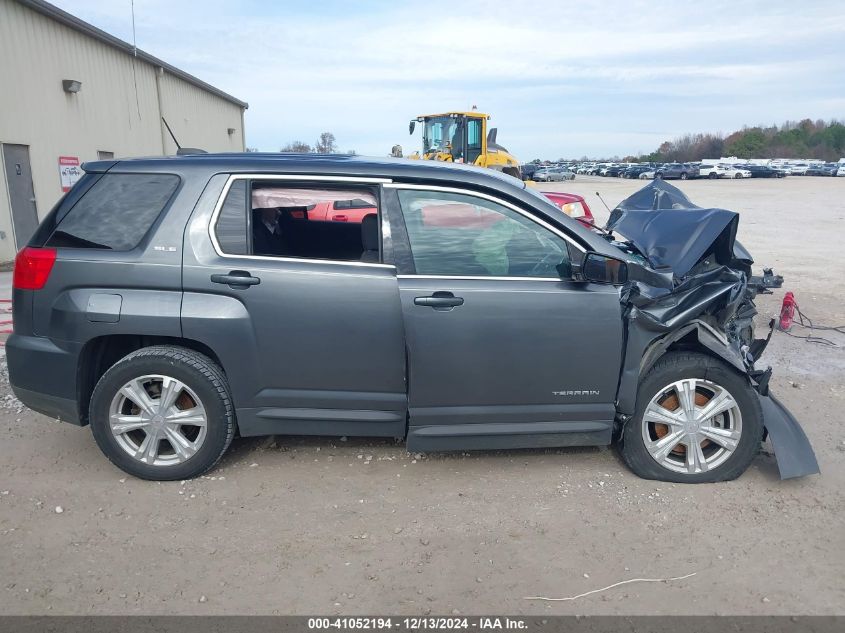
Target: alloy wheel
[(692, 426), (158, 420)]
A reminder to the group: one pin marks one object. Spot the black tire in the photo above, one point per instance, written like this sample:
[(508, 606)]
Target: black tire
[(198, 372), (658, 176), (713, 175), (676, 366), (683, 175)]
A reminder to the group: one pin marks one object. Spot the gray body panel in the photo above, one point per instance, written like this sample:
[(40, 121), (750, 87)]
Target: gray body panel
[(793, 451), (317, 347), (511, 355)]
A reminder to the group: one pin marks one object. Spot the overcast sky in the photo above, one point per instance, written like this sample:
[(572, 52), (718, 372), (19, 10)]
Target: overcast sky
[(561, 79)]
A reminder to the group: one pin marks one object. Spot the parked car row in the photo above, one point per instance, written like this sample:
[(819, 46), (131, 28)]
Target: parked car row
[(678, 171)]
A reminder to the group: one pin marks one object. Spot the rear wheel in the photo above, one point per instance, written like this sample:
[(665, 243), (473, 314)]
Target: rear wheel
[(683, 175), (697, 421), (163, 413), (713, 175), (658, 176)]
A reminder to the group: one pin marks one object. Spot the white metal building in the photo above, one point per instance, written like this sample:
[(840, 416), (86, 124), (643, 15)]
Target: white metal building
[(71, 93)]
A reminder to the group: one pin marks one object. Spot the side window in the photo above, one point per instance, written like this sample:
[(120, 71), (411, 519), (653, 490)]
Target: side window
[(116, 213), (356, 203), (276, 219), (461, 235), (231, 228), (473, 140)]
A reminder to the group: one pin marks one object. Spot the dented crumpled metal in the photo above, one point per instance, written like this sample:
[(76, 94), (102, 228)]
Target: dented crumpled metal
[(698, 283)]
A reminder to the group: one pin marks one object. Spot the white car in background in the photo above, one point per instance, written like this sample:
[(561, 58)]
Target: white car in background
[(841, 170), (722, 171), (797, 169), (647, 175)]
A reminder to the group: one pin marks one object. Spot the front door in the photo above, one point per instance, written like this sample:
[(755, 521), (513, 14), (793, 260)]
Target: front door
[(308, 319), (21, 192), (504, 349)]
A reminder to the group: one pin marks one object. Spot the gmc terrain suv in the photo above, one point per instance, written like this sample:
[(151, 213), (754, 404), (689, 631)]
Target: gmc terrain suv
[(171, 303)]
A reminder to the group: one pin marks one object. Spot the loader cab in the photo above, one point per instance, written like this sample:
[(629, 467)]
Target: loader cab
[(454, 137), (463, 137)]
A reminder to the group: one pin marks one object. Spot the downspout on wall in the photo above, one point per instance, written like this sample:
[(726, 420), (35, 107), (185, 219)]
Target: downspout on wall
[(159, 73), (243, 131)]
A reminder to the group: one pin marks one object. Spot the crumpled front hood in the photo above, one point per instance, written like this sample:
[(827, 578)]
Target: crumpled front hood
[(701, 288), (672, 232)]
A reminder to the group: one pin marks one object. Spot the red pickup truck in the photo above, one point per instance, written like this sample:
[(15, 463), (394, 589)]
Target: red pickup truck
[(353, 211)]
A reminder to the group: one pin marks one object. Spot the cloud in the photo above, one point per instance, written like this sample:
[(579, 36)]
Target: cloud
[(628, 73)]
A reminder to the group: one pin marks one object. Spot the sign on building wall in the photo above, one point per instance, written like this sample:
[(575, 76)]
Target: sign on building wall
[(69, 171)]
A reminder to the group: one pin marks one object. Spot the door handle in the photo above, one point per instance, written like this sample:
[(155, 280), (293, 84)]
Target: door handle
[(236, 279), (440, 300)]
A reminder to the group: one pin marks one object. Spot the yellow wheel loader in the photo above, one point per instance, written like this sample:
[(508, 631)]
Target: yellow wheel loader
[(462, 137)]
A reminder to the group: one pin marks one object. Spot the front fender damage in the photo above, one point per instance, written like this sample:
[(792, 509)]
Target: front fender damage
[(696, 292), (793, 451)]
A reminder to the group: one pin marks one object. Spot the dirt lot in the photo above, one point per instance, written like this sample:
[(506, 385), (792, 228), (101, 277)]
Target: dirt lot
[(324, 526)]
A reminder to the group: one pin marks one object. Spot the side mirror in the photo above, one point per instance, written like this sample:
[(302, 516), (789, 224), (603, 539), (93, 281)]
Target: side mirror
[(411, 126), (603, 269)]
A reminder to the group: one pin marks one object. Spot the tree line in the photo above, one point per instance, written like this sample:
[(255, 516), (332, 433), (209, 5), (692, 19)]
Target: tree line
[(326, 144), (793, 139)]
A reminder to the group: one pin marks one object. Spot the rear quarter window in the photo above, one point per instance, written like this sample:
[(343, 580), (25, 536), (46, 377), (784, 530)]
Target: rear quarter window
[(116, 213)]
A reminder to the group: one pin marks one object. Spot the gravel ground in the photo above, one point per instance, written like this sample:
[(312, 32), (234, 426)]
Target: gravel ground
[(319, 525)]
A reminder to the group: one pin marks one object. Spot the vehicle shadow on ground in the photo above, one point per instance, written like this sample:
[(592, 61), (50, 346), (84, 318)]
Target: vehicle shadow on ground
[(245, 448), (589, 457)]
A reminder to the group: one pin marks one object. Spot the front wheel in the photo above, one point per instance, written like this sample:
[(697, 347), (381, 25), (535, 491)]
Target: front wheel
[(163, 413), (683, 176), (697, 421)]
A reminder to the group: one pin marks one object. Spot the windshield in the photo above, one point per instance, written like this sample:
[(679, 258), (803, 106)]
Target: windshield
[(459, 135), (438, 132)]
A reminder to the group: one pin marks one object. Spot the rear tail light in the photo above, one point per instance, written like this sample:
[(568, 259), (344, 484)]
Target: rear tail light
[(32, 268)]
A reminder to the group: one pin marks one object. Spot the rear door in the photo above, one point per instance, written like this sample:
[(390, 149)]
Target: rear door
[(504, 349), (311, 345)]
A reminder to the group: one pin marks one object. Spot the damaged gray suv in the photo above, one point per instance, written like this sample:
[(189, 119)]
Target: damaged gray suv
[(173, 303)]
